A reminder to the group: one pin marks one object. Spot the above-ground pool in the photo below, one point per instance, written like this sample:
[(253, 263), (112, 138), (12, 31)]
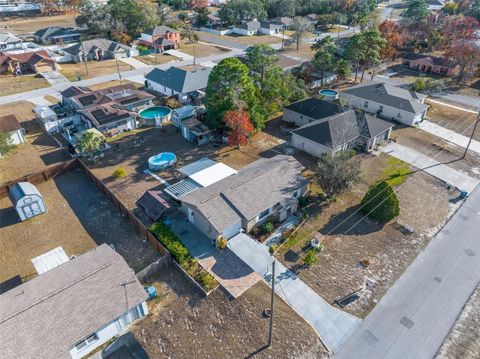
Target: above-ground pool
[(329, 95), (161, 161), (155, 115)]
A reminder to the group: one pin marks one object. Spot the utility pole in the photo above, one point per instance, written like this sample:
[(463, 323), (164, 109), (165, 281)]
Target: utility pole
[(270, 331), (471, 136), (84, 55), (118, 70)]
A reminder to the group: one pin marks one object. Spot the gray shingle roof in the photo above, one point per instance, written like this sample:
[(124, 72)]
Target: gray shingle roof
[(315, 108), (159, 30), (389, 95), (250, 26), (89, 45), (7, 38), (180, 80), (334, 131), (55, 31), (255, 188), (46, 316)]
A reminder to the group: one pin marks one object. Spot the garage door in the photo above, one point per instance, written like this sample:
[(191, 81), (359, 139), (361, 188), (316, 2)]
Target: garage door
[(231, 231)]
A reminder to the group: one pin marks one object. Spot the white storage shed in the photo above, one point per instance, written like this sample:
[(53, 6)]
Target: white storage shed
[(27, 200)]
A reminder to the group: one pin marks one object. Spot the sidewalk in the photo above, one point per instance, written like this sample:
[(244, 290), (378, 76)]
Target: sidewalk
[(449, 135), (414, 317), (332, 325), (136, 64), (432, 167)]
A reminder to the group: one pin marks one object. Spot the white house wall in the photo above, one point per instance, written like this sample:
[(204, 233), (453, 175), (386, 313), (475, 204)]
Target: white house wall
[(407, 118), (17, 137), (308, 146), (296, 118), (162, 89)]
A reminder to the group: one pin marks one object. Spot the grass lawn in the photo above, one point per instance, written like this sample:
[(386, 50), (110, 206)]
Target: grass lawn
[(159, 60), (396, 172), (10, 85), (304, 51), (251, 40), (24, 25), (73, 71), (201, 49)]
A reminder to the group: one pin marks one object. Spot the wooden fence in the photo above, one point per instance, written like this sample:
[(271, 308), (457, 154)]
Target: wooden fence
[(41, 176)]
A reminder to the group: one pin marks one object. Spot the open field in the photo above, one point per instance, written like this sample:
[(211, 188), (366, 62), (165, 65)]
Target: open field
[(10, 85), (133, 150), (304, 51), (31, 24), (181, 324), (39, 150), (350, 238), (459, 121), (251, 40), (76, 217), (201, 49), (159, 60), (73, 71)]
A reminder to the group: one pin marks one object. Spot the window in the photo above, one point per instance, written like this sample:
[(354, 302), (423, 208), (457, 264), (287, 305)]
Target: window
[(365, 104), (264, 214), (84, 343)]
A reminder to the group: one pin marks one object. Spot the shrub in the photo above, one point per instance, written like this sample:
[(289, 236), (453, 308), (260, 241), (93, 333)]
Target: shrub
[(267, 227), (380, 202), (206, 280), (222, 243), (365, 263), (165, 236), (427, 85), (310, 257), (119, 172), (304, 201), (172, 103)]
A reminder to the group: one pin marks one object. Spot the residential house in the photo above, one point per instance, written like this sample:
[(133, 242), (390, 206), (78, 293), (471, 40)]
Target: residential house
[(285, 22), (109, 110), (9, 42), (160, 38), (387, 101), (186, 83), (270, 28), (57, 35), (429, 64), (310, 109), (71, 309), (248, 28), (10, 125), (99, 49), (266, 188), (342, 131), (9, 9), (27, 62)]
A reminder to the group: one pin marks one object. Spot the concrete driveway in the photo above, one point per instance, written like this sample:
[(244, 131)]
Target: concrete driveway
[(229, 270), (431, 166), (414, 317), (332, 325)]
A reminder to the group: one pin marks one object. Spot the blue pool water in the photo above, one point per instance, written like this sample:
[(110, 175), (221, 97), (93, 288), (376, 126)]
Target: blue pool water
[(155, 112), (161, 161), (328, 92)]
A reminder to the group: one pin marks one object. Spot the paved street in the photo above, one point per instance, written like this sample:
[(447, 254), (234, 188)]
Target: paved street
[(431, 166), (417, 313), (449, 135), (332, 325)]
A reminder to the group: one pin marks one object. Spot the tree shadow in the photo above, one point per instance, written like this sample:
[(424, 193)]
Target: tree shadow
[(350, 222), (8, 217)]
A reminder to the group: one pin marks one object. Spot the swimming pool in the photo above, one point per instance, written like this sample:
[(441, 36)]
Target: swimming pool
[(155, 115), (329, 95), (161, 161)]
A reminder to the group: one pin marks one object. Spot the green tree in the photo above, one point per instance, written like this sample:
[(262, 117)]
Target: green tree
[(310, 258), (374, 43), (300, 27), (380, 202), (229, 88), (89, 145), (5, 143), (324, 56), (415, 13), (336, 171), (356, 52), (343, 68), (261, 58), (278, 8)]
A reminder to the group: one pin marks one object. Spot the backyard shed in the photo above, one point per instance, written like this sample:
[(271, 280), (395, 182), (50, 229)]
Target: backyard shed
[(27, 200), (153, 204)]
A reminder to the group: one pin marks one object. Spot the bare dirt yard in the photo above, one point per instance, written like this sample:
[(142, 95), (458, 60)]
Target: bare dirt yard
[(182, 324), (252, 40), (39, 151), (74, 71), (160, 59), (304, 51), (23, 25), (350, 237), (201, 49), (76, 218), (133, 150), (464, 338), (10, 85)]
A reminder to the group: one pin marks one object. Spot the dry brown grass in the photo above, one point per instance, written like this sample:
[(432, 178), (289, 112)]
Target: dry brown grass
[(104, 85), (160, 59), (304, 51), (10, 85), (201, 50), (252, 40), (31, 24), (95, 68)]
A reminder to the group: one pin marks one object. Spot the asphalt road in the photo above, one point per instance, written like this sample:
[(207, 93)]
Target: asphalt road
[(415, 316)]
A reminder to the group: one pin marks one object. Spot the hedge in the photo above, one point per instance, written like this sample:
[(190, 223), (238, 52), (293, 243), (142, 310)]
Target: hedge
[(182, 256)]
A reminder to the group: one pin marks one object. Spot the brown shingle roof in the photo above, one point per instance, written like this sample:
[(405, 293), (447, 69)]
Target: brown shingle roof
[(9, 123)]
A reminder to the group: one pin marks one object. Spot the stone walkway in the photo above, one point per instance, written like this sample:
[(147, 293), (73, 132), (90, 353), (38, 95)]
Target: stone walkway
[(332, 325), (431, 166)]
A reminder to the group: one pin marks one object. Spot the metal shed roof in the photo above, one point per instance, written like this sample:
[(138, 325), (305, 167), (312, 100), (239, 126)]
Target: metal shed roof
[(22, 189), (49, 260), (212, 174), (182, 188), (196, 166)]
